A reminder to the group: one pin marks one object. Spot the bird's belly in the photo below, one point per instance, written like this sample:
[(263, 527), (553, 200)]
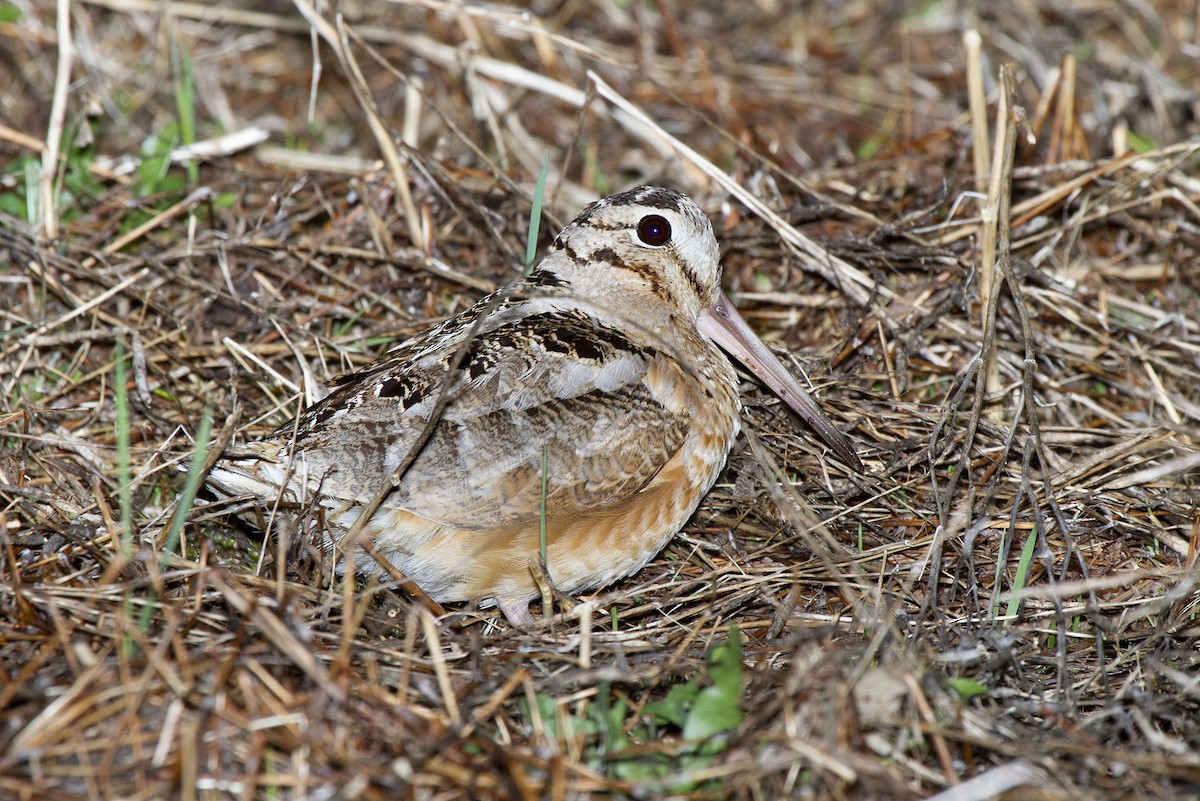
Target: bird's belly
[(584, 551)]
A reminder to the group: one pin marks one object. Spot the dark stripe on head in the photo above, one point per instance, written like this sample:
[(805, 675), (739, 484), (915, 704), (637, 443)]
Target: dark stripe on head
[(648, 273), (690, 275), (590, 210), (658, 198)]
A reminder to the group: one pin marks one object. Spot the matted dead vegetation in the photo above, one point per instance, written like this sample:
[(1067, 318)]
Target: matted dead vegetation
[(1005, 601)]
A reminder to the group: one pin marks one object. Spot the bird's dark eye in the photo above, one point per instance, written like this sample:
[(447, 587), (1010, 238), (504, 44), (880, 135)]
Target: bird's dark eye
[(654, 230)]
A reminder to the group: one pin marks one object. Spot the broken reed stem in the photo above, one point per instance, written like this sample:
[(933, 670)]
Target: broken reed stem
[(989, 298), (1000, 180), (977, 102), (1062, 132), (58, 112)]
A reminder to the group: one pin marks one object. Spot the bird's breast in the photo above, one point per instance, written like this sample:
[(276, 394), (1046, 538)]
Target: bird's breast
[(700, 385)]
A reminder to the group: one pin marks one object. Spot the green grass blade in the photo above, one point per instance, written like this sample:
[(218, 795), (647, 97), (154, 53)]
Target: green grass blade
[(185, 103), (32, 191), (535, 215), (191, 485), (1019, 581)]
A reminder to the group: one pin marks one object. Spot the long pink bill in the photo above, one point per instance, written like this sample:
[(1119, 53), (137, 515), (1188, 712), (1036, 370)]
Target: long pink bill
[(722, 323)]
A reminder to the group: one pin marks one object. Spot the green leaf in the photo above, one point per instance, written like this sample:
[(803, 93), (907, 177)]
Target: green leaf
[(613, 726), (674, 707), (548, 711), (156, 159), (1138, 143), (725, 665), (712, 713), (966, 689), (717, 708)]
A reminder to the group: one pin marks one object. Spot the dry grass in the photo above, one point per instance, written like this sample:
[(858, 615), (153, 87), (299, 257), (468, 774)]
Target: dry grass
[(1007, 599)]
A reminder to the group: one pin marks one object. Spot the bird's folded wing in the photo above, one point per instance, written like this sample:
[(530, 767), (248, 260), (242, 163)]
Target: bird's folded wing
[(552, 397)]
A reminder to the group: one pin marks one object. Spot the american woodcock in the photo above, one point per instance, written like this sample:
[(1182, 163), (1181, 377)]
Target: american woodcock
[(593, 393)]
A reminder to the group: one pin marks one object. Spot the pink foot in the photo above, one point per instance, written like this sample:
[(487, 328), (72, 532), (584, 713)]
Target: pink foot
[(516, 611)]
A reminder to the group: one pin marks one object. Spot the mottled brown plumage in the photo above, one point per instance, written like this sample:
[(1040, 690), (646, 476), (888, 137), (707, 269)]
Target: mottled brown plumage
[(600, 372)]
